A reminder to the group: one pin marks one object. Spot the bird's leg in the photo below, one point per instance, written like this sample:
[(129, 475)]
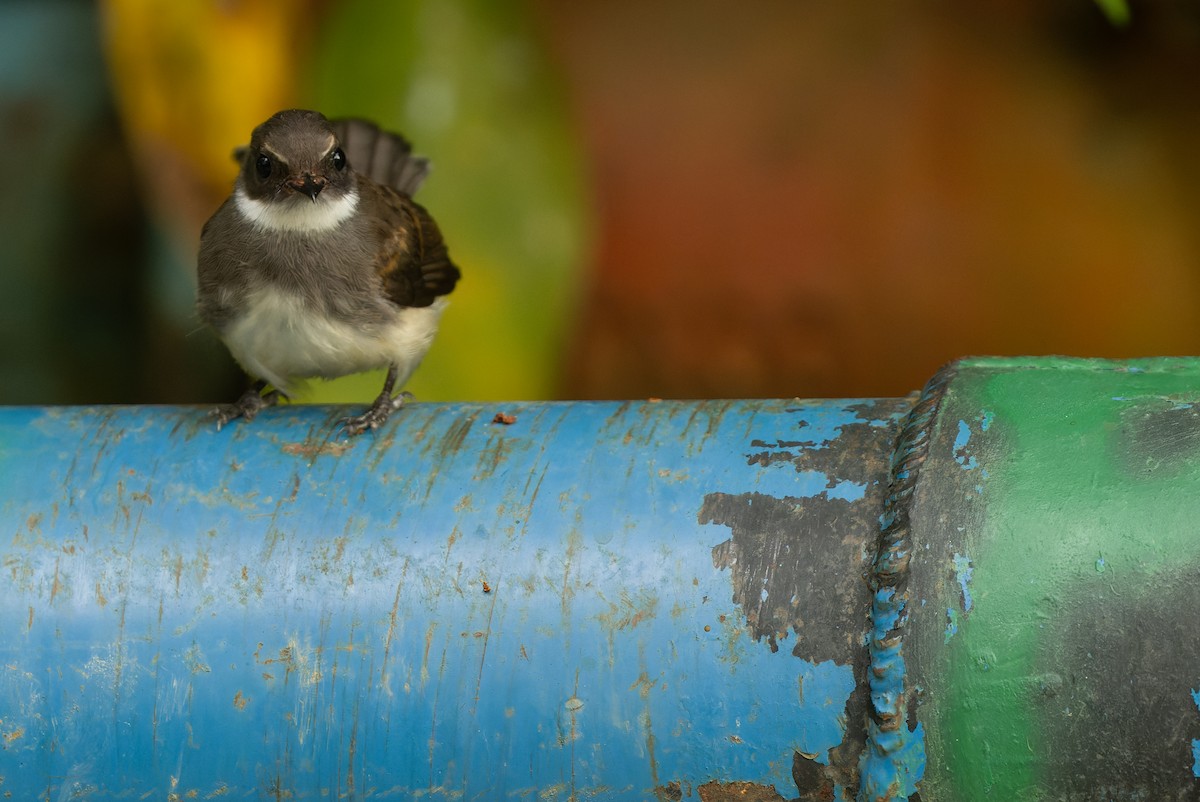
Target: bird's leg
[(383, 406), (248, 405)]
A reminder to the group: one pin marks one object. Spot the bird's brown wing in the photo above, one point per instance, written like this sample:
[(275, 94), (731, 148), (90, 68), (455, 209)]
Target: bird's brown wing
[(413, 262)]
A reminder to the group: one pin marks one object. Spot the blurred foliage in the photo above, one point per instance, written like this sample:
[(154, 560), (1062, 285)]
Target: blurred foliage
[(190, 79), (1117, 11), (468, 83), (188, 75)]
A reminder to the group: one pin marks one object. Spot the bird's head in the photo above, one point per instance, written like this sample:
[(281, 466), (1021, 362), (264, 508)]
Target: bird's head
[(295, 160)]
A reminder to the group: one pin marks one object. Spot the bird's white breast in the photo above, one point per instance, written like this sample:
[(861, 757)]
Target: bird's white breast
[(297, 215), (280, 338)]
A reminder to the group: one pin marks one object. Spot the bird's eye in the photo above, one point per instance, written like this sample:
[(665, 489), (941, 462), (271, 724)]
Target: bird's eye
[(263, 165), (339, 159)]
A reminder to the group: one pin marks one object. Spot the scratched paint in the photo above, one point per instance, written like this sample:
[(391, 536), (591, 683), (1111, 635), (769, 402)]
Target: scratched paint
[(449, 608), (962, 575)]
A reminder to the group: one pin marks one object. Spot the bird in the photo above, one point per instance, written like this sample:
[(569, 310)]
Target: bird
[(320, 264)]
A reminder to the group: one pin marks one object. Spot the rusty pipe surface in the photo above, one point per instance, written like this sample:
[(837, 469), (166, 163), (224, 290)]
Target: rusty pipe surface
[(978, 592), (614, 600)]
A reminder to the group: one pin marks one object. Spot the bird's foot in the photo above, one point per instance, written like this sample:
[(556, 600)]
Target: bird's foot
[(246, 407), (379, 412)]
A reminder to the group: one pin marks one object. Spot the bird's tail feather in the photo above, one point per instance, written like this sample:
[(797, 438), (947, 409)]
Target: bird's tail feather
[(381, 156)]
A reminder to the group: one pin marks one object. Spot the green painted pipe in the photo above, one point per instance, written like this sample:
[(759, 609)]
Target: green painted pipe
[(1051, 643)]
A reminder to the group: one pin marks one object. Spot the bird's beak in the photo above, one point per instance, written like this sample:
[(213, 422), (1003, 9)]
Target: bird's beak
[(311, 185)]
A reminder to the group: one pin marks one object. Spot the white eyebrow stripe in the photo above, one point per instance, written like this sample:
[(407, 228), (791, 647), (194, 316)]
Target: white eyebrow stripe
[(332, 144)]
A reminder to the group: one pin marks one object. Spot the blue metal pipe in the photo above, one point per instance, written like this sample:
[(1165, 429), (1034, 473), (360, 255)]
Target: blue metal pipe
[(598, 600)]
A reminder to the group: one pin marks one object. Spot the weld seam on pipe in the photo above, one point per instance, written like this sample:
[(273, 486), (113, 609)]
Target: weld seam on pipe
[(893, 761)]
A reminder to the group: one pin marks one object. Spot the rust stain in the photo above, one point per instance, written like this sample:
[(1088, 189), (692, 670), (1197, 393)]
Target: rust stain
[(574, 544), (310, 450), (387, 642), (650, 743), (33, 522), (194, 660), (245, 573), (425, 654), (102, 600), (15, 735), (671, 792), (267, 676), (456, 435), (574, 705), (30, 625), (742, 791), (643, 685), (628, 613), (483, 654), (492, 457), (239, 701), (56, 586), (350, 768)]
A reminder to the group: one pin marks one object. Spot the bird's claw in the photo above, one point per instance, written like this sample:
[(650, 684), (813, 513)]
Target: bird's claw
[(246, 407), (377, 415)]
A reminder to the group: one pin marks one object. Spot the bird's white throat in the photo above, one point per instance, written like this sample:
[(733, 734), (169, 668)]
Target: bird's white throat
[(300, 217)]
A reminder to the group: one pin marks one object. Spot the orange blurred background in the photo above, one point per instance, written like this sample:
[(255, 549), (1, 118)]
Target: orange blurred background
[(668, 198)]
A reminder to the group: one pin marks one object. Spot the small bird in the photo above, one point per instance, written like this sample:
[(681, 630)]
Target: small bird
[(320, 264)]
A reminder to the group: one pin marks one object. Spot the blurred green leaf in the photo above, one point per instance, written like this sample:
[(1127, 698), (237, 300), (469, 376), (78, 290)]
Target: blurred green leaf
[(468, 83), (1117, 11)]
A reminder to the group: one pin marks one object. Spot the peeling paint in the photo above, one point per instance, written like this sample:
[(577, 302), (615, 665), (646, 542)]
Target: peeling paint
[(1196, 741), (444, 610), (951, 624), (962, 575)]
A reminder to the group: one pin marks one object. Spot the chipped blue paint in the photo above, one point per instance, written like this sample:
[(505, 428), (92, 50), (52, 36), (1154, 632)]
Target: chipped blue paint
[(832, 487), (962, 574), (450, 608), (967, 461), (823, 684), (894, 761), (963, 437), (951, 624), (1196, 741)]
